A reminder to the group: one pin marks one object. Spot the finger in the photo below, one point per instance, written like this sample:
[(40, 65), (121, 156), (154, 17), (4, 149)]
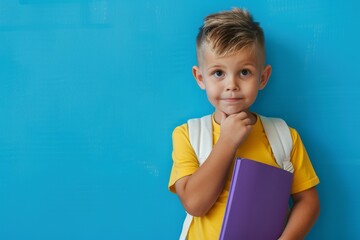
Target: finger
[(223, 116), (242, 115), (247, 121)]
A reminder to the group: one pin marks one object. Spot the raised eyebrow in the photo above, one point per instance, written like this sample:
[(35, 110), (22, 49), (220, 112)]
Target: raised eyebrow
[(215, 67), (248, 68), (248, 65)]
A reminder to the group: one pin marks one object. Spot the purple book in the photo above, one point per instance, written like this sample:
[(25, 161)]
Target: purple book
[(257, 207)]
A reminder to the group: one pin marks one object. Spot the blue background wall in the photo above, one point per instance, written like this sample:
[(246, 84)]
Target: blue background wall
[(90, 91)]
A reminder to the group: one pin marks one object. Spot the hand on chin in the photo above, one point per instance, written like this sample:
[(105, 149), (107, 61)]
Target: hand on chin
[(232, 112), (227, 112)]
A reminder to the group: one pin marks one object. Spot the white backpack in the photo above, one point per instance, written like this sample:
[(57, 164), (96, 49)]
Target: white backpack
[(201, 139)]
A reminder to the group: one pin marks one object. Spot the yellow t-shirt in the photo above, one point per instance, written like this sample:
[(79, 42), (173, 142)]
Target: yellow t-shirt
[(255, 147)]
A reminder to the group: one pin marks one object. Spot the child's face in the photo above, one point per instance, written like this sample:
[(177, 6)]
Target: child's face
[(231, 82)]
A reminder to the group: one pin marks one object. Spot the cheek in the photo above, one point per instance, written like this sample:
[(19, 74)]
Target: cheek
[(251, 89), (212, 91)]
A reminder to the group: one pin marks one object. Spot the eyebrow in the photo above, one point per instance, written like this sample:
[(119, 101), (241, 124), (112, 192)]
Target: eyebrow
[(216, 66), (254, 64), (242, 63)]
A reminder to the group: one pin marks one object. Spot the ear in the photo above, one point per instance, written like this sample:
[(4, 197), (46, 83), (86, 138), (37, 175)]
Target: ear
[(198, 77), (265, 77)]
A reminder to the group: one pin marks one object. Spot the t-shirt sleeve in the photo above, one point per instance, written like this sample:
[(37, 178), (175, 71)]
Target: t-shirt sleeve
[(184, 159), (304, 174)]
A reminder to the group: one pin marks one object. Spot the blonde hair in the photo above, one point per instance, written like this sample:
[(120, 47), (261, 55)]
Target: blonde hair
[(230, 31)]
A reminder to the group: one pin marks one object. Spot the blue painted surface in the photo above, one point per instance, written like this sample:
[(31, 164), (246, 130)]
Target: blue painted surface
[(90, 91)]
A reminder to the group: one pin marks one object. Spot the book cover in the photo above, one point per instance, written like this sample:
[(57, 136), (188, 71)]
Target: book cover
[(258, 203)]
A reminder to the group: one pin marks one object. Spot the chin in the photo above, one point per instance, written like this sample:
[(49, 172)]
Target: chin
[(230, 112)]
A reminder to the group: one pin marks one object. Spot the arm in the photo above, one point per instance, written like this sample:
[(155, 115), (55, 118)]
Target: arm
[(303, 215), (199, 191)]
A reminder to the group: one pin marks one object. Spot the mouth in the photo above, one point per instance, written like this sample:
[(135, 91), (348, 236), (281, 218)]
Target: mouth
[(232, 100)]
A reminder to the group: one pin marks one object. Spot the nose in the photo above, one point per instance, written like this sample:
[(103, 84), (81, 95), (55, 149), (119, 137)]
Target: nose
[(232, 84)]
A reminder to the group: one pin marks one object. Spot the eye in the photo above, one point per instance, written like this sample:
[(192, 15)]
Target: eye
[(218, 73), (245, 72)]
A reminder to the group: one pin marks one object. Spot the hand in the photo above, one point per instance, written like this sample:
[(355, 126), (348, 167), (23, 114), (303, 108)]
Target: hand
[(236, 127)]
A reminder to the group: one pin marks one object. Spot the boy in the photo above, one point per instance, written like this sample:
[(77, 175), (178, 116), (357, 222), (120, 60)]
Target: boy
[(231, 69)]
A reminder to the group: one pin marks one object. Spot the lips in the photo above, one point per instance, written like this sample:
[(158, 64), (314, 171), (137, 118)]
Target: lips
[(231, 99)]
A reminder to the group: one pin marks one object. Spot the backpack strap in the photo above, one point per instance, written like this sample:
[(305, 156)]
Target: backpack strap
[(279, 137), (201, 137), (186, 226)]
